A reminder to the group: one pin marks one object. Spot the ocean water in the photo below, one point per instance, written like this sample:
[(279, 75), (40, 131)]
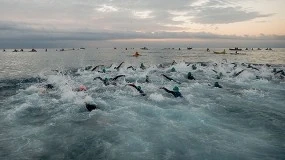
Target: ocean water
[(245, 119)]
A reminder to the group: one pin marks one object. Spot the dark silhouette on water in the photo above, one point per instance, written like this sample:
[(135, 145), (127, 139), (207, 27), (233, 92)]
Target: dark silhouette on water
[(175, 91), (138, 88), (171, 79)]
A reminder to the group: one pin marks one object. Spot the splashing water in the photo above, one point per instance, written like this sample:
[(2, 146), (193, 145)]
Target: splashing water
[(245, 119)]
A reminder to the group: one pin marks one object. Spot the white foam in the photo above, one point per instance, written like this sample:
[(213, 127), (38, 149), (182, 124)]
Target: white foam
[(156, 97)]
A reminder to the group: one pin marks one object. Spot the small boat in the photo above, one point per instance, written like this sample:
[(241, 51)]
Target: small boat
[(189, 48), (144, 48), (235, 49), (223, 52)]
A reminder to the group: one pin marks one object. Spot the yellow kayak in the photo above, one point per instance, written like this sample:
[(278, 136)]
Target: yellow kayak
[(223, 52)]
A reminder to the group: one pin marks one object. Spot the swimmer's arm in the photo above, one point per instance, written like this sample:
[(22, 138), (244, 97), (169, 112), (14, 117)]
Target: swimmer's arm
[(166, 90), (115, 78), (98, 78)]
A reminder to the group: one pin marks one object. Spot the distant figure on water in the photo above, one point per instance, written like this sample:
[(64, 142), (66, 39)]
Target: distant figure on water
[(142, 66), (136, 54), (33, 50), (175, 92), (190, 76)]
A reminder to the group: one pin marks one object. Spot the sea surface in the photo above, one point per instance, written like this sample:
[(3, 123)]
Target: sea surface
[(245, 119)]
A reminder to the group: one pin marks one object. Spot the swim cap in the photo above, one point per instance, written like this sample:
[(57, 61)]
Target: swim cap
[(139, 87), (82, 88), (176, 89), (173, 69), (189, 73), (104, 70)]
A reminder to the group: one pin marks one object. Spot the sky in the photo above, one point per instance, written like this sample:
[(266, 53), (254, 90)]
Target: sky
[(139, 23)]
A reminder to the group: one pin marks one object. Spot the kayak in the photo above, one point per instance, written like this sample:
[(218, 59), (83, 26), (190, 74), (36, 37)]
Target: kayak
[(223, 52)]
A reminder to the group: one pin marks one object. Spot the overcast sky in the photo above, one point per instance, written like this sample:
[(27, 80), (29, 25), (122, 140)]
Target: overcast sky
[(127, 23)]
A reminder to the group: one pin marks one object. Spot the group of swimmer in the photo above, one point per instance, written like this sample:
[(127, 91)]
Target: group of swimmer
[(175, 91), (113, 81), (21, 50)]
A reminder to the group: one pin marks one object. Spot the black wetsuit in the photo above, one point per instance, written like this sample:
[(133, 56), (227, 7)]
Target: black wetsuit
[(236, 74), (190, 77), (147, 79), (96, 67), (90, 107), (107, 81), (170, 79), (117, 68), (175, 94), (138, 89), (49, 86), (249, 66), (131, 68), (217, 85)]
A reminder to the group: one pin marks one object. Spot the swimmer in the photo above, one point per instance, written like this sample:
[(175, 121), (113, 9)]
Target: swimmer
[(173, 69), (281, 72), (175, 91), (110, 66), (142, 66), (249, 66), (173, 62), (236, 74), (107, 81), (138, 88), (131, 67), (217, 85), (136, 54), (103, 70), (117, 68), (214, 71), (81, 88), (96, 67), (190, 76), (49, 86), (220, 75), (147, 79), (88, 68), (90, 107), (194, 67), (170, 78)]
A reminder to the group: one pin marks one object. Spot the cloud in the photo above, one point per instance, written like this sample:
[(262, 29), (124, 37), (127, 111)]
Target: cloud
[(106, 8), (88, 20), (212, 15)]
